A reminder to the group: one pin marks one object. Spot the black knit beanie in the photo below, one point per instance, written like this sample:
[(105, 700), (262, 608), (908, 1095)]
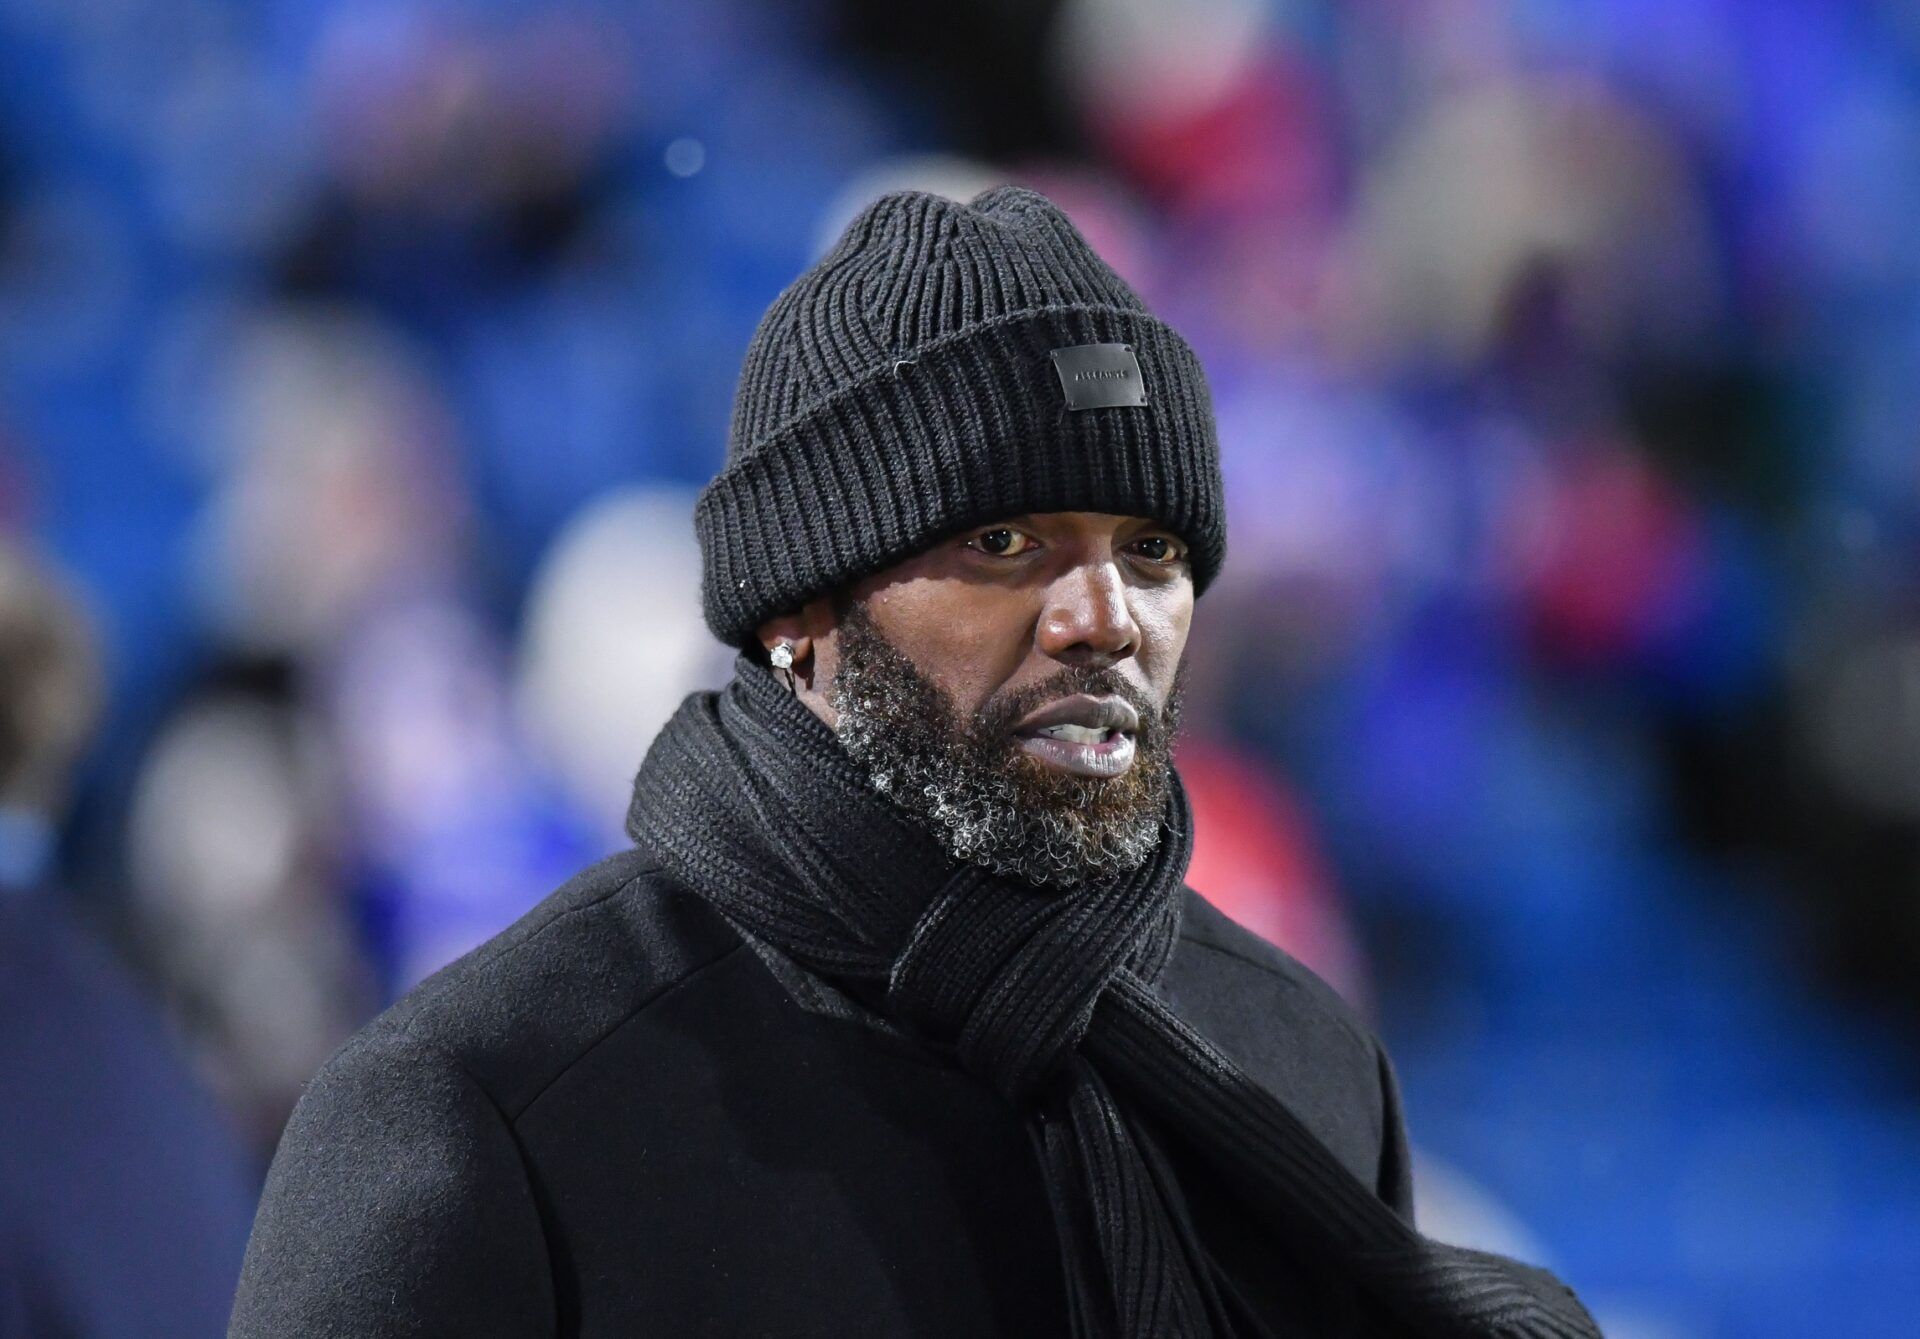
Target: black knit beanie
[(946, 365)]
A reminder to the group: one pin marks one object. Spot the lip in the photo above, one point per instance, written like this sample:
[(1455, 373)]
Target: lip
[(1096, 713), (1106, 757)]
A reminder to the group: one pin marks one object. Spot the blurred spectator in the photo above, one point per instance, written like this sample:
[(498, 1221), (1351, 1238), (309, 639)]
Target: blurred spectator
[(237, 885), (611, 642), (124, 1206)]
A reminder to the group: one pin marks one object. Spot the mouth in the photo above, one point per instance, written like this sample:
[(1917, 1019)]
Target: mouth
[(1082, 735)]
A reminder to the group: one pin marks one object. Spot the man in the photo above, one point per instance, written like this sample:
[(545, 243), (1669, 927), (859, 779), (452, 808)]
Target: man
[(897, 1020), (124, 1199)]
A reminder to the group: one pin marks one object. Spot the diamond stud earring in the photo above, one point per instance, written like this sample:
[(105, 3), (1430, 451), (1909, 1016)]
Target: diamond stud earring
[(781, 658)]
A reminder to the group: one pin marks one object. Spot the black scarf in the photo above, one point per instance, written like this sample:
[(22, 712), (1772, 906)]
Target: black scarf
[(747, 798)]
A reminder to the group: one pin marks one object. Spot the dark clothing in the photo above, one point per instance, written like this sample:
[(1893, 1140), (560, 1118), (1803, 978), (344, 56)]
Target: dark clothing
[(124, 1199), (1047, 994), (619, 1118)]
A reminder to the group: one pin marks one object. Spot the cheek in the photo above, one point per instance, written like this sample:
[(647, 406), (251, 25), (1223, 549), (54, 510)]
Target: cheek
[(1164, 618), (966, 639)]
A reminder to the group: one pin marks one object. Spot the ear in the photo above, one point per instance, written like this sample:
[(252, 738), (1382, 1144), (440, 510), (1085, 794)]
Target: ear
[(800, 631), (786, 630), (807, 631)]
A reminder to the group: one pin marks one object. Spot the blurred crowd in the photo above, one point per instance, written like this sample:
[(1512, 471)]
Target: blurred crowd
[(1560, 701)]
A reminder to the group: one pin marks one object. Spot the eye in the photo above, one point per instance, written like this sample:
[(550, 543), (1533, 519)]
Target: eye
[(1002, 542), (1164, 549)]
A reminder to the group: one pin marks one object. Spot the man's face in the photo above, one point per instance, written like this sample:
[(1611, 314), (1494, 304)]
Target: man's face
[(1016, 687)]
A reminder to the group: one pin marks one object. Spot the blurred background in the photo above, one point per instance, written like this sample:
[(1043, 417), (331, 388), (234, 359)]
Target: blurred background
[(1560, 702)]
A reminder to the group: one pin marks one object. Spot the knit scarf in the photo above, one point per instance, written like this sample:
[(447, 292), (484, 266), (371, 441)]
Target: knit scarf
[(747, 798)]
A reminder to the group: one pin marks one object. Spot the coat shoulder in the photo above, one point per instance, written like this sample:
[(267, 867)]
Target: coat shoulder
[(520, 1009), (1291, 1032), (399, 1190), (397, 1194), (1208, 930)]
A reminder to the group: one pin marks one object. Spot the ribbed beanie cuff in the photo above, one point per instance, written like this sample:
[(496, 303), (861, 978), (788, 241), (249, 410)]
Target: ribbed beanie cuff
[(967, 426)]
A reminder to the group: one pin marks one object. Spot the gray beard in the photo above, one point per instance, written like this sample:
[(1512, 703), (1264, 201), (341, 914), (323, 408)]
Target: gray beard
[(970, 785)]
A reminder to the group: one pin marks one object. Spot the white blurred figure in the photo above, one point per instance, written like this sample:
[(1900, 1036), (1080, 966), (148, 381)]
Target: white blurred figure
[(612, 642), (237, 889), (1154, 62), (333, 448), (1515, 190)]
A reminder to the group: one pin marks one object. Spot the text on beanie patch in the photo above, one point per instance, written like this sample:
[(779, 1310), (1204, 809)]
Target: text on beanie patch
[(1100, 376)]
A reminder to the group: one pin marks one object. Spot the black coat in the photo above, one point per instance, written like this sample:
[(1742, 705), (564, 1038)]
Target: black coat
[(618, 1118)]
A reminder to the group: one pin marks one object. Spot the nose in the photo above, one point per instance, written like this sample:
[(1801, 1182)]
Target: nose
[(1086, 620)]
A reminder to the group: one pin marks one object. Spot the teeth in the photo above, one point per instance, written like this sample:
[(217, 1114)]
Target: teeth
[(1076, 734)]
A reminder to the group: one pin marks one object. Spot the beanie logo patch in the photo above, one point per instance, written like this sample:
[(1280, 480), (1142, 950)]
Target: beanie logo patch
[(1100, 376)]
